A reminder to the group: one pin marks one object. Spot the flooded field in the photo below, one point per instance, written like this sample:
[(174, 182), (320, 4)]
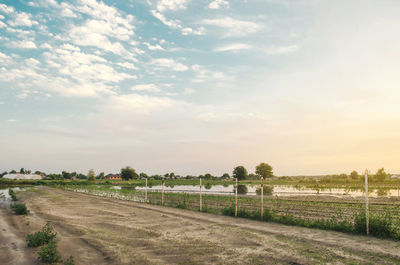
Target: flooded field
[(277, 190)]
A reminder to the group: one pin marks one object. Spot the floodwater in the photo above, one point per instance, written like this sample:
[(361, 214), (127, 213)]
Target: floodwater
[(278, 190)]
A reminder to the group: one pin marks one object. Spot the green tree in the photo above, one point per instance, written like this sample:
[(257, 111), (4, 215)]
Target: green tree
[(225, 176), (263, 170), (239, 172), (13, 171), (143, 175), (22, 170), (354, 174), (128, 173), (91, 175), (381, 175), (101, 175)]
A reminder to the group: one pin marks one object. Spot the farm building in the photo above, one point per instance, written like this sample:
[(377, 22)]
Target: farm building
[(113, 176), (396, 176), (22, 176)]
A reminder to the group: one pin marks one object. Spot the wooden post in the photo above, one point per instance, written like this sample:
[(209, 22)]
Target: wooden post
[(236, 197), (262, 197), (366, 202), (162, 193), (201, 203), (145, 192)]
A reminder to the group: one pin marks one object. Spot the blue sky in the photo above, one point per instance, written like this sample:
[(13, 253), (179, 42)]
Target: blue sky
[(310, 87)]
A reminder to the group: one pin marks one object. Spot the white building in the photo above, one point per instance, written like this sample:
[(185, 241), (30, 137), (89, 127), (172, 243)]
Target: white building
[(22, 176)]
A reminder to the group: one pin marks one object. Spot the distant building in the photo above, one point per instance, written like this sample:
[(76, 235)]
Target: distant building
[(396, 176), (113, 176), (22, 176)]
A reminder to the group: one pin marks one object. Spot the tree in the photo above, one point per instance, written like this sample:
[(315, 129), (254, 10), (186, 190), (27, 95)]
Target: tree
[(91, 175), (13, 171), (128, 173), (101, 175), (66, 175), (239, 172), (225, 176), (3, 174), (22, 170), (263, 170), (143, 175), (381, 175), (354, 174)]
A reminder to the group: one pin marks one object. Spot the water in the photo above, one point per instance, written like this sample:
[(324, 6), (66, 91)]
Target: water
[(278, 191)]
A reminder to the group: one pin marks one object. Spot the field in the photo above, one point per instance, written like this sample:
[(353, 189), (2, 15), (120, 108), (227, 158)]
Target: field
[(98, 230)]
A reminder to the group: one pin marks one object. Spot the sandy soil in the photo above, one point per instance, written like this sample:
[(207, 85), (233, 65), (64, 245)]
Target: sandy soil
[(98, 230)]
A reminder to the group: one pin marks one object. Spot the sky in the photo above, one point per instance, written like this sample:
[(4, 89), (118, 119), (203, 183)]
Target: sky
[(309, 86)]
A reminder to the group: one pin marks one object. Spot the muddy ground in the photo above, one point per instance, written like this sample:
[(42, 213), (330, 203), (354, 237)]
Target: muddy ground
[(96, 230)]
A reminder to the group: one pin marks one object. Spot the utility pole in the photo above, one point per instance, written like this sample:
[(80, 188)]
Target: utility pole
[(262, 197), (366, 202), (200, 197)]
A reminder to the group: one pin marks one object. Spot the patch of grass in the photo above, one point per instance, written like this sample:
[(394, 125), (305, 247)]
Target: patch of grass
[(380, 225), (49, 253), (12, 194), (44, 236), (69, 261), (19, 208)]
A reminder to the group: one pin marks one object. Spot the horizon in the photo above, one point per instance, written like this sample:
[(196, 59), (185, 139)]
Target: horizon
[(195, 87)]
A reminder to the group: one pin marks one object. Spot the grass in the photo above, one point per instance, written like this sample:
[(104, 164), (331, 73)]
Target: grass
[(19, 208), (12, 194), (42, 237)]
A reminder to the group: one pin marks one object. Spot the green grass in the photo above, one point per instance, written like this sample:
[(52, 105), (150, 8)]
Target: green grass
[(19, 208), (42, 237)]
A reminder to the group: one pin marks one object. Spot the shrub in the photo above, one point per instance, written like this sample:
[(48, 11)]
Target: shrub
[(69, 261), (380, 225), (12, 194), (19, 208), (267, 190), (49, 253), (44, 236)]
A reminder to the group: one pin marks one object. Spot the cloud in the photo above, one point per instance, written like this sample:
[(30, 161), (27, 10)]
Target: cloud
[(176, 24), (127, 65), (164, 5), (218, 4), (203, 75), (24, 44), (156, 47), (146, 88), (11, 120), (23, 19), (6, 9), (66, 12), (234, 27), (234, 47), (169, 64), (281, 49)]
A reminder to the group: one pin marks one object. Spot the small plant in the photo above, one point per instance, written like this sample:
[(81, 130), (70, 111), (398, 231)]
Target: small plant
[(12, 194), (19, 208), (49, 253), (69, 261), (44, 236)]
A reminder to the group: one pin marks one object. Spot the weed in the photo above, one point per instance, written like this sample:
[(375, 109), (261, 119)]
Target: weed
[(69, 261), (12, 194), (49, 253), (44, 236), (19, 208)]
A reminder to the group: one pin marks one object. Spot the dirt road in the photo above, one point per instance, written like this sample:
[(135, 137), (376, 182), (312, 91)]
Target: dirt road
[(98, 230)]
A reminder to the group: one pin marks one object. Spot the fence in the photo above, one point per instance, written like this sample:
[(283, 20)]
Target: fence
[(345, 214)]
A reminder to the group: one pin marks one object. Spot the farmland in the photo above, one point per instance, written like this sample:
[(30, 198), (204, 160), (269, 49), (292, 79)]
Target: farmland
[(98, 230)]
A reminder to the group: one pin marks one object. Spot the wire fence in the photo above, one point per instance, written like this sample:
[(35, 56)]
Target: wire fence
[(320, 210)]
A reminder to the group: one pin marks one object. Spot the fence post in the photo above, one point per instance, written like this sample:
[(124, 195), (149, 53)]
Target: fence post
[(262, 197), (162, 193), (145, 192), (201, 203), (236, 197), (366, 202)]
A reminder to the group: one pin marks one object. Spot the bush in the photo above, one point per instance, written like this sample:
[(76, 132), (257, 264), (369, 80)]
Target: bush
[(49, 253), (379, 225), (267, 190), (69, 261), (44, 236), (12, 194), (19, 208)]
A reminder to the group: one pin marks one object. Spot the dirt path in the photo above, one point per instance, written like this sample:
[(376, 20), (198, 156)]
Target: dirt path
[(99, 230)]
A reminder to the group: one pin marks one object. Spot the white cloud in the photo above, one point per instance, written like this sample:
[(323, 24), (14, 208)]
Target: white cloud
[(218, 4), (146, 88), (176, 24), (188, 31), (169, 64), (234, 27), (12, 120), (23, 19), (127, 65), (188, 91), (203, 75), (281, 49), (66, 12), (6, 9), (156, 47), (46, 46), (234, 47), (164, 5), (24, 44)]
